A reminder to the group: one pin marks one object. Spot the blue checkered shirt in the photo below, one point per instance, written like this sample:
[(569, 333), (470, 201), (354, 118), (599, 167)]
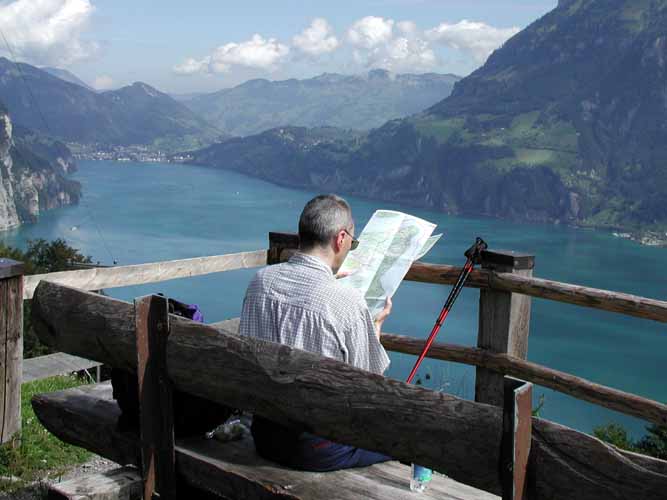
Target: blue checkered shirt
[(300, 303)]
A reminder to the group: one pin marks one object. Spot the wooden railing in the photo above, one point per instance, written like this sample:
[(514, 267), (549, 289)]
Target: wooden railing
[(506, 285)]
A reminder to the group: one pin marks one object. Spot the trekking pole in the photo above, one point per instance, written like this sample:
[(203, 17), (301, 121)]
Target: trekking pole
[(474, 257)]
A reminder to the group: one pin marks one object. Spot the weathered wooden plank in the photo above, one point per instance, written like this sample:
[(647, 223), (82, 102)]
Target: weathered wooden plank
[(234, 469), (58, 363), (11, 349), (138, 274), (580, 388), (230, 467), (156, 407), (504, 322), (123, 483), (624, 402), (346, 404), (631, 305), (10, 268), (517, 437)]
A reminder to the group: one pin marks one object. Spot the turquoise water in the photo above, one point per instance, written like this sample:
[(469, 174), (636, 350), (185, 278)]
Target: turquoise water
[(139, 212)]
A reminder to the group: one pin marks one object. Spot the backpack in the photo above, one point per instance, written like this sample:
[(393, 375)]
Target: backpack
[(192, 415)]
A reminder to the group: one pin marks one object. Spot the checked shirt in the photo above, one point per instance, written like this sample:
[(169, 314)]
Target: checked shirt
[(300, 303)]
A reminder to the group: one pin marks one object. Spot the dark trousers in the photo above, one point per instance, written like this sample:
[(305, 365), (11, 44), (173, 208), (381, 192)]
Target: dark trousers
[(304, 451)]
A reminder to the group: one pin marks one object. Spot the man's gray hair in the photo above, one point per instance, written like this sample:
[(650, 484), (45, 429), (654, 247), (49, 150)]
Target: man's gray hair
[(322, 218)]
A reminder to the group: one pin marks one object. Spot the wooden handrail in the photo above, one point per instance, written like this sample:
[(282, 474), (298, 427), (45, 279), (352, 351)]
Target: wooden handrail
[(112, 277), (139, 274), (624, 303), (580, 388), (596, 298)]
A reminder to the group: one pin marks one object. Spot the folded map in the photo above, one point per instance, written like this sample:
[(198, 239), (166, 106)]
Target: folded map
[(388, 245)]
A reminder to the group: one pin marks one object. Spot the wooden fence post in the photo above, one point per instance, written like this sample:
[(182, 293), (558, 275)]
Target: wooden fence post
[(504, 321), (11, 349), (279, 242), (156, 410)]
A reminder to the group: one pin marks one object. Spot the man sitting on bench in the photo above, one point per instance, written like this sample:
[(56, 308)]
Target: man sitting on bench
[(299, 303)]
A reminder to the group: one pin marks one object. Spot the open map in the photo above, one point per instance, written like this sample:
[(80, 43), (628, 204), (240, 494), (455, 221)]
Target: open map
[(388, 245)]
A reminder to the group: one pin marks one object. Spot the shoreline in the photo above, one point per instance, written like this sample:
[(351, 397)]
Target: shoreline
[(647, 238)]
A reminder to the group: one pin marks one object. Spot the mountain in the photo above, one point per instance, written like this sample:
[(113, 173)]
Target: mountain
[(567, 122), (68, 76), (136, 114), (32, 174), (354, 102)]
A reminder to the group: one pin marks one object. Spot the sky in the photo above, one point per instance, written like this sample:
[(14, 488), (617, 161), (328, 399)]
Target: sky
[(205, 45)]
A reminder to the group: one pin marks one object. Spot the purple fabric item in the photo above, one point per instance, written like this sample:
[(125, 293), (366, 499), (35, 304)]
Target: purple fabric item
[(194, 313)]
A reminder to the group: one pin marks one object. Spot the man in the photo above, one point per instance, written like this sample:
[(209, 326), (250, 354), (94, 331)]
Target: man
[(299, 303)]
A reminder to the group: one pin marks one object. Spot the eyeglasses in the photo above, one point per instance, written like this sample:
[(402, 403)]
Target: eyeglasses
[(355, 242)]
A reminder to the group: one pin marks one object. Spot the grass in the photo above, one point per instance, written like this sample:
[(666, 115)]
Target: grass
[(39, 452), (443, 130)]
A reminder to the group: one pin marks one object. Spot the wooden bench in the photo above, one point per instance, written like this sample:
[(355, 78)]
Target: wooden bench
[(231, 469), (462, 438)]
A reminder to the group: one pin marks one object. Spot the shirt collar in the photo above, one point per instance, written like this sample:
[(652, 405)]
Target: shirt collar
[(311, 261)]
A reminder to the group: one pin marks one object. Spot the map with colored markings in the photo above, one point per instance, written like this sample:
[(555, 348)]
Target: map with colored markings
[(388, 245)]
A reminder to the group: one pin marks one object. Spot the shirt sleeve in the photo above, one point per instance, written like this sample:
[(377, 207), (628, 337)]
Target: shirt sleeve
[(364, 348)]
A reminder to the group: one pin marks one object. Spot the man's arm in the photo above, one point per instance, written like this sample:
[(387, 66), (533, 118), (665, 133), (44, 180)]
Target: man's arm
[(379, 319)]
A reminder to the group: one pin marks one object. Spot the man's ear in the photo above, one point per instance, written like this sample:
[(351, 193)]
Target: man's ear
[(339, 240)]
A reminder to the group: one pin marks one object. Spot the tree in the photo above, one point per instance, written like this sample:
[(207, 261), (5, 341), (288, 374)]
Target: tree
[(41, 256), (654, 443)]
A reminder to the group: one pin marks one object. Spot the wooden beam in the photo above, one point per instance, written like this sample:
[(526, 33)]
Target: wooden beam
[(630, 305), (138, 274), (123, 483), (517, 433), (345, 404), (504, 322), (580, 388), (11, 349), (156, 408)]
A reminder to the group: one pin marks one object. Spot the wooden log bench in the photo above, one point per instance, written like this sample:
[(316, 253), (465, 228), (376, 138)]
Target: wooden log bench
[(87, 415), (330, 398)]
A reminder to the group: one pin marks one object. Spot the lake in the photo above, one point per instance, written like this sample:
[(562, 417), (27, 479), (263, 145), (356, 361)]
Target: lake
[(145, 212)]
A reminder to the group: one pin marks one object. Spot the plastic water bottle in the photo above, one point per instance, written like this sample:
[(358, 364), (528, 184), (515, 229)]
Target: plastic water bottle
[(420, 478)]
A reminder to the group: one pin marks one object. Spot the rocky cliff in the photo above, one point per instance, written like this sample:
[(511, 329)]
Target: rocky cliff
[(32, 175)]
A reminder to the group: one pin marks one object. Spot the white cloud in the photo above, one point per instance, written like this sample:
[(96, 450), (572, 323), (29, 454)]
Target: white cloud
[(376, 45), (317, 39), (406, 27), (258, 52), (371, 32), (47, 32), (409, 54), (475, 38), (103, 82), (191, 66)]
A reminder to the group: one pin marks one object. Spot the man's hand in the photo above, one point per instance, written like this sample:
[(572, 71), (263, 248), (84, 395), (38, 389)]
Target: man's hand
[(382, 315)]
